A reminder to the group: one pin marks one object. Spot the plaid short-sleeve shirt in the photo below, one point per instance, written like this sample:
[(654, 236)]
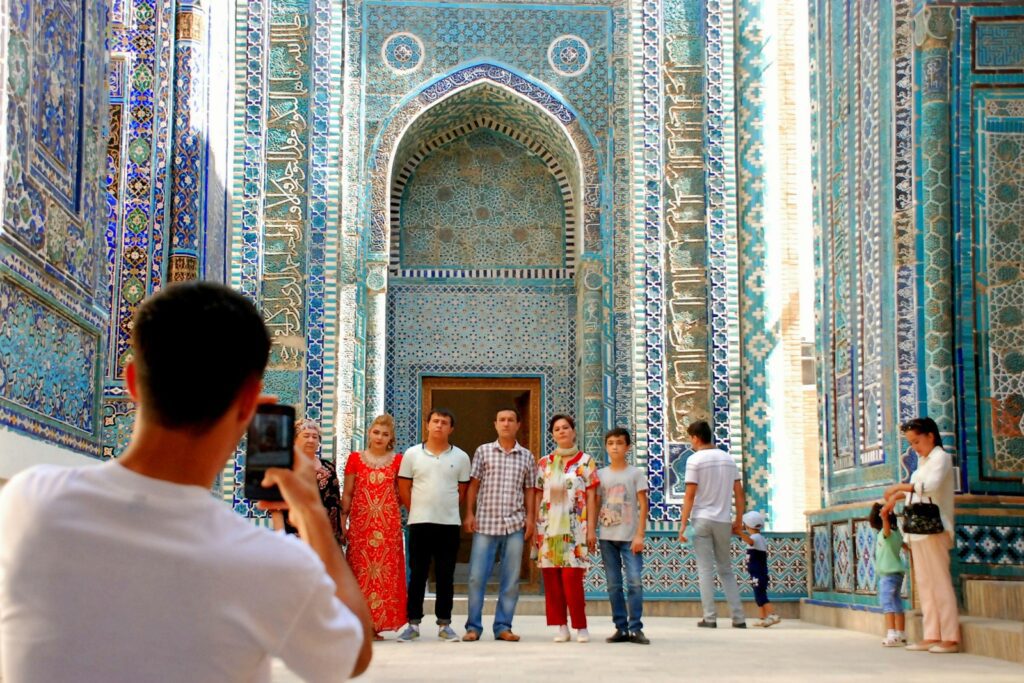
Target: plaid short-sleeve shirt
[(500, 504)]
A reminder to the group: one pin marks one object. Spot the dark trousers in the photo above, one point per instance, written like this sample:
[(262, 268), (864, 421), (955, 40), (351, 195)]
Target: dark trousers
[(757, 565), (440, 543)]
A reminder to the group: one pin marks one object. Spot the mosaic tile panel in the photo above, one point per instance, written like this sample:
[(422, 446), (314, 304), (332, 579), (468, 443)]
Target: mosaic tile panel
[(670, 569), (478, 330), (932, 32), (1000, 305), (723, 291), (51, 295), (862, 79), (872, 141), (905, 254), (456, 33), (999, 45), (48, 362), (482, 201), (992, 545), (842, 552), (687, 384), (54, 137), (134, 234), (759, 339), (118, 422), (189, 153), (821, 554), (864, 553), (650, 307)]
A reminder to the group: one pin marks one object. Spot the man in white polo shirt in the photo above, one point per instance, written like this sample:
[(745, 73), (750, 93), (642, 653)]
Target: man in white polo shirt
[(432, 483), (711, 482)]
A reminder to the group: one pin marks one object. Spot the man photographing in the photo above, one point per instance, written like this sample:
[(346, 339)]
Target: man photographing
[(132, 570)]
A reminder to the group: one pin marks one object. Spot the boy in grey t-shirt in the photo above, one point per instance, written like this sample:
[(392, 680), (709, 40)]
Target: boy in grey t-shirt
[(621, 524)]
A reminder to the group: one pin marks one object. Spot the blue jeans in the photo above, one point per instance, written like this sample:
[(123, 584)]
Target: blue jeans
[(481, 562), (616, 555), (889, 587)]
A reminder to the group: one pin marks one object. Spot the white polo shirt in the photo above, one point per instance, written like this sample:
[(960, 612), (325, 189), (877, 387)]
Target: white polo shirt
[(435, 483)]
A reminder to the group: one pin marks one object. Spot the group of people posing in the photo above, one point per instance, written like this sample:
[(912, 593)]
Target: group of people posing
[(563, 504), (130, 570)]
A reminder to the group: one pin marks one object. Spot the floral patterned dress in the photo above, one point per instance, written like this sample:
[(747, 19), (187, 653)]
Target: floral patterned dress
[(562, 522), (330, 496), (375, 550)]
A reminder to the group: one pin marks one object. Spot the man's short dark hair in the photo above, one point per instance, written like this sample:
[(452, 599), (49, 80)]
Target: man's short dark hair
[(618, 431), (700, 429), (195, 344), (443, 412), (509, 409)]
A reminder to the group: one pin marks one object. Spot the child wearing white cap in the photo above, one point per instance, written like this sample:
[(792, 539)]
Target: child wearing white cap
[(757, 565)]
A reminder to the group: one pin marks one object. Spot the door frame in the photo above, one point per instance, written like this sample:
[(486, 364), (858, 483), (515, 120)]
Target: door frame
[(534, 386)]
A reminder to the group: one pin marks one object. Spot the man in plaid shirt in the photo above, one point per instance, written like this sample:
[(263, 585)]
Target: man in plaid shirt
[(500, 514)]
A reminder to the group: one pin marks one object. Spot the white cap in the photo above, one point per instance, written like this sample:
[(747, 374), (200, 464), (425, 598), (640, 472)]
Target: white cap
[(753, 519)]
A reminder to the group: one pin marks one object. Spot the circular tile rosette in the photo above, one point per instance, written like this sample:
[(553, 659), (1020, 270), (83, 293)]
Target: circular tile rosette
[(402, 52), (569, 55)]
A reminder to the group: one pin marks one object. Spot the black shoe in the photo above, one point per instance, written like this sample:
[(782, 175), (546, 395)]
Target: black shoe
[(739, 624), (639, 638), (706, 624), (618, 637)]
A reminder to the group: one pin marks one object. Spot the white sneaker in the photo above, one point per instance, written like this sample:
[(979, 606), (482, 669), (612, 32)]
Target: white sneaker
[(583, 636), (771, 620), (563, 634), (894, 641)]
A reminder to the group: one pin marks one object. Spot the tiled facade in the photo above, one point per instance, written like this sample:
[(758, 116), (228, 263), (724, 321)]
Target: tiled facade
[(52, 295), (917, 315), (371, 140)]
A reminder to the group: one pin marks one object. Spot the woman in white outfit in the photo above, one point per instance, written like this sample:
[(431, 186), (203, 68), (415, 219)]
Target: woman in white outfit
[(931, 482)]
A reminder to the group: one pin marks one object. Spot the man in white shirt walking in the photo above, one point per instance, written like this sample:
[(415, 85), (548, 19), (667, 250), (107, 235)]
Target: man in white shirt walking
[(132, 571), (711, 481)]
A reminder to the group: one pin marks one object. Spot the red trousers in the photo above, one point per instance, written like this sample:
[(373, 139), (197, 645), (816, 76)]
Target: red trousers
[(564, 586)]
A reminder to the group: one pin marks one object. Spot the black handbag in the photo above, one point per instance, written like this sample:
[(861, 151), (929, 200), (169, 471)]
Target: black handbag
[(921, 517)]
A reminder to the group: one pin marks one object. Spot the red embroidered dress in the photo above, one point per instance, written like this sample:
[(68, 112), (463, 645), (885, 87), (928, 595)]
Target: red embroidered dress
[(375, 539)]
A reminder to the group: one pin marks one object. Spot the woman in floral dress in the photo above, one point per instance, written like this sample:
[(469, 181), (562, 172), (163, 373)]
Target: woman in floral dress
[(567, 479), (369, 508)]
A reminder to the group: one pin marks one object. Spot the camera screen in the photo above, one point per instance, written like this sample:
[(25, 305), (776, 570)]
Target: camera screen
[(270, 441)]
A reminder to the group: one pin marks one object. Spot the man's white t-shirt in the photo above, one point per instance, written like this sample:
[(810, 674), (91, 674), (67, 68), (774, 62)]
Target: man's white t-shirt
[(435, 483), (713, 471), (108, 575)]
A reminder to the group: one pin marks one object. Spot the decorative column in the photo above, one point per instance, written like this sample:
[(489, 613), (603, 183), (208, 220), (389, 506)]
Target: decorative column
[(758, 334), (375, 348), (188, 157), (590, 292), (933, 32)]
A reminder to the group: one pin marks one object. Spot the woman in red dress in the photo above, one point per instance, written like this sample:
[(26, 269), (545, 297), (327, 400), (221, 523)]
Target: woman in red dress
[(369, 508)]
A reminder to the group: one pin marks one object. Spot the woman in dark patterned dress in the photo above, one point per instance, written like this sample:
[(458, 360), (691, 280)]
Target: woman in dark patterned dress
[(374, 521), (307, 443)]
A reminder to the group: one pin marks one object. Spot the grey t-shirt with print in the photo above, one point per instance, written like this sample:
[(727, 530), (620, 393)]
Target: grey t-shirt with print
[(619, 514)]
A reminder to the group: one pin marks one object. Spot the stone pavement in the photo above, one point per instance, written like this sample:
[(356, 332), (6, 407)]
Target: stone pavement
[(791, 651)]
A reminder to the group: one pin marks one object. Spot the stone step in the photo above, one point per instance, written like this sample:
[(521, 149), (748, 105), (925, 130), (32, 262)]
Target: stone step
[(994, 599), (999, 638)]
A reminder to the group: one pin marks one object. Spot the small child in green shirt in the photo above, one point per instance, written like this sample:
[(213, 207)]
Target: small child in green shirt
[(890, 570)]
